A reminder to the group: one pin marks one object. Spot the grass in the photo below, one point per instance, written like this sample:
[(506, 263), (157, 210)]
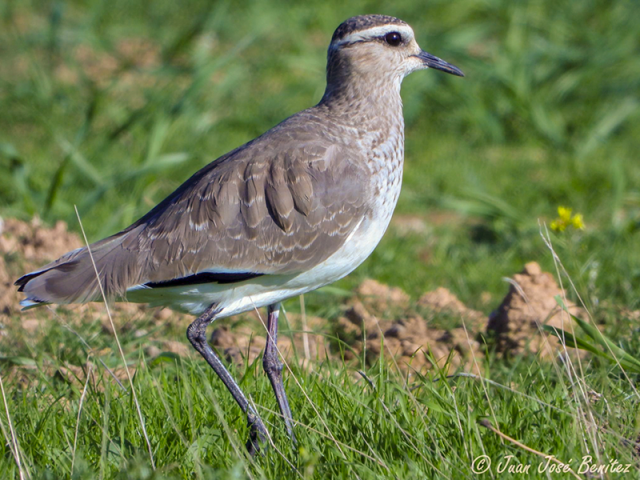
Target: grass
[(110, 106), (428, 427)]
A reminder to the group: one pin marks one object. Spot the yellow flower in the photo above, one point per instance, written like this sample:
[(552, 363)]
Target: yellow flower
[(577, 221), (565, 219), (565, 214)]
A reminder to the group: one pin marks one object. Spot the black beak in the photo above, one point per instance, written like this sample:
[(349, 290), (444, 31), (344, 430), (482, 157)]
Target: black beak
[(434, 62)]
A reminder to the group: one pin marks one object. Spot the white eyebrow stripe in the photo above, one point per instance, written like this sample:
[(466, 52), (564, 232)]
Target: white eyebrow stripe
[(373, 32)]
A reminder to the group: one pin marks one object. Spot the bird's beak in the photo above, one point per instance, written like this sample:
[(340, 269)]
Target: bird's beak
[(430, 61)]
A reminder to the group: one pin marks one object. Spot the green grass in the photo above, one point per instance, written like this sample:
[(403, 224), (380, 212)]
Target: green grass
[(395, 427), (111, 105)]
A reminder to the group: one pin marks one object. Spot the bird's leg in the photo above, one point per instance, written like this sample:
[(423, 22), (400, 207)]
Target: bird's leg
[(196, 333), (273, 367)]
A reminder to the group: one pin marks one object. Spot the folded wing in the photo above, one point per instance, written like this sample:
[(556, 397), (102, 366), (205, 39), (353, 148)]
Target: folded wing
[(273, 206)]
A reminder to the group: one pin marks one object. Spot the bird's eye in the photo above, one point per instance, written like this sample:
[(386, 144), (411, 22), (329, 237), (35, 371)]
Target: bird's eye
[(393, 38)]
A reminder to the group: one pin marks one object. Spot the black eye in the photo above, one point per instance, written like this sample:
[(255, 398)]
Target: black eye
[(394, 39)]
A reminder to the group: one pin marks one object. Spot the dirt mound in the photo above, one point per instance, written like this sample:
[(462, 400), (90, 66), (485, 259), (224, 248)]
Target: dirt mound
[(442, 300), (408, 337), (515, 324), (381, 297), (34, 242)]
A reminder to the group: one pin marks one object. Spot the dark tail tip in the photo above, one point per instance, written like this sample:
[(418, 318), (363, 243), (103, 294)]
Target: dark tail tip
[(23, 280)]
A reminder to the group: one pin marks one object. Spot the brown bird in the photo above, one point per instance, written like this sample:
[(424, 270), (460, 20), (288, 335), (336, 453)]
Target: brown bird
[(297, 208)]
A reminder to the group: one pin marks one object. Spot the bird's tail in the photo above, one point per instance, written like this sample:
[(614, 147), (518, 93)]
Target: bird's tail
[(72, 278)]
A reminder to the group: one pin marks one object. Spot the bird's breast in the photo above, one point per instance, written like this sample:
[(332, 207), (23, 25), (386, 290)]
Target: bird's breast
[(385, 161)]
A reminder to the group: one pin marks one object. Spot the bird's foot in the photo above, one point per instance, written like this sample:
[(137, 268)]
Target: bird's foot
[(257, 434)]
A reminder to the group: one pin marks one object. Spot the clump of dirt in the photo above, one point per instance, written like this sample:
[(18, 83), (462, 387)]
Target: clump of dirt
[(530, 303), (35, 242), (442, 300), (382, 297), (408, 337)]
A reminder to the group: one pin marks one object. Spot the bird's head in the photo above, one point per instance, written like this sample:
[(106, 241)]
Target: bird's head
[(378, 48)]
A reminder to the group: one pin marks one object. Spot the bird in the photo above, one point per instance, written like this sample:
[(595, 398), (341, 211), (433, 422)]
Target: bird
[(297, 208)]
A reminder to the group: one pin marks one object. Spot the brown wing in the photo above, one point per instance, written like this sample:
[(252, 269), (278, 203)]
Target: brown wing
[(272, 207), (277, 205)]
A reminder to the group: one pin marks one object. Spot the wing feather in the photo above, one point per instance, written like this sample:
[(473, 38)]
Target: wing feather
[(280, 204)]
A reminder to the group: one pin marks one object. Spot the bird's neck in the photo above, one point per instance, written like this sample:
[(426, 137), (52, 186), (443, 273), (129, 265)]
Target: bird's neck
[(364, 102), (372, 114)]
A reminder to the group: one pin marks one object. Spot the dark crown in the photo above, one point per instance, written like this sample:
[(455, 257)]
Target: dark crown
[(363, 22)]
